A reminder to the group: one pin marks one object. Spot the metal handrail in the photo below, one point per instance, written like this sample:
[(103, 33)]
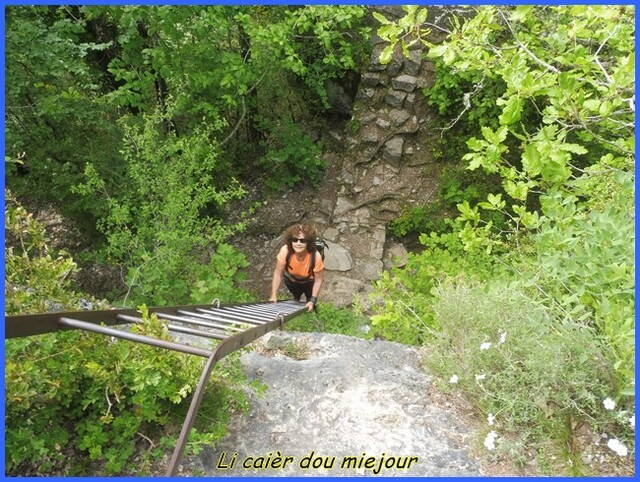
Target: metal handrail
[(260, 318)]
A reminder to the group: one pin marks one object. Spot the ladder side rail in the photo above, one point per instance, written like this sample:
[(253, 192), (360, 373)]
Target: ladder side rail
[(224, 348), (16, 326), (126, 335)]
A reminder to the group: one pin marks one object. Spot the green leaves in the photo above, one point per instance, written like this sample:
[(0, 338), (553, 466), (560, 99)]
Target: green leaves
[(157, 227), (407, 31), (559, 136), (512, 110), (488, 152)]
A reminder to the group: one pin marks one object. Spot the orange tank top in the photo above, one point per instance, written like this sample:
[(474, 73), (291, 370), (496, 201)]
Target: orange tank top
[(300, 268)]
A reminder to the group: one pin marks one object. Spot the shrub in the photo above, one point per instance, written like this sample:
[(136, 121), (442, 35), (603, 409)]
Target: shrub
[(403, 298), (36, 277), (291, 155), (78, 403), (538, 378), (75, 399)]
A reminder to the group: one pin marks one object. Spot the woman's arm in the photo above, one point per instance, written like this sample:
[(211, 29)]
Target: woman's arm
[(317, 286), (277, 278)]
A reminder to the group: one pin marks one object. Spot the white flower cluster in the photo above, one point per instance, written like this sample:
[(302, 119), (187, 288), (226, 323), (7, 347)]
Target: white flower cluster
[(617, 446), (613, 443), (609, 404), (454, 379), (490, 440)]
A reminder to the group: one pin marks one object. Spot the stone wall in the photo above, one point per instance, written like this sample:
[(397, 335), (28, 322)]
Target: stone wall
[(387, 167)]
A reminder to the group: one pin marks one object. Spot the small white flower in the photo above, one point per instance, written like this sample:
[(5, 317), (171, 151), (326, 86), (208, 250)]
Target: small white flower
[(485, 346), (454, 379), (482, 376), (632, 421), (615, 445), (490, 419), (503, 338), (490, 440), (609, 404)]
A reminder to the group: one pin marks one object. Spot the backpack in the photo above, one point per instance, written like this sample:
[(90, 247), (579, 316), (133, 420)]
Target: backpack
[(321, 244)]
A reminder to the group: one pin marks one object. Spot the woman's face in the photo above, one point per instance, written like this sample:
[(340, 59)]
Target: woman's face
[(299, 246)]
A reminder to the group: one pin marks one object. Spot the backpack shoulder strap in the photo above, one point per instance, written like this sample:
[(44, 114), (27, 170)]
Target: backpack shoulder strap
[(313, 263), (287, 263)]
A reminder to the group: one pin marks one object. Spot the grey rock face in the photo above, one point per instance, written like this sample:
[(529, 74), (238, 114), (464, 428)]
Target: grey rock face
[(395, 98), (405, 82), (412, 64), (348, 398), (337, 258), (393, 150)]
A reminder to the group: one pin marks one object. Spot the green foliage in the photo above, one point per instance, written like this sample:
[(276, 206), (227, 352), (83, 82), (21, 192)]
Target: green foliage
[(36, 278), (549, 202), (80, 77), (457, 185), (330, 319), (401, 31), (316, 43), (561, 144), (221, 277), (160, 227), (74, 400), (586, 262), (585, 251), (54, 120), (421, 219), (95, 397), (538, 376), (403, 299), (291, 156), (541, 69), (468, 92)]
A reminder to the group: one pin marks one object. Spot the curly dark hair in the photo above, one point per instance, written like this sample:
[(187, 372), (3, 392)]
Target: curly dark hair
[(308, 230)]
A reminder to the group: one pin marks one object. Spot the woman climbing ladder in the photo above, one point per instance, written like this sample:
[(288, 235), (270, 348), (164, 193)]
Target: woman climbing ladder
[(300, 264)]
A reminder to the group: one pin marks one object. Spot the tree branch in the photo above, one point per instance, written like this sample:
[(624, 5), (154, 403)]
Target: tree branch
[(524, 47)]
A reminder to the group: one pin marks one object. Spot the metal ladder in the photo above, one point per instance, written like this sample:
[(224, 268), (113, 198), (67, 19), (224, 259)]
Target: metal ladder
[(234, 325)]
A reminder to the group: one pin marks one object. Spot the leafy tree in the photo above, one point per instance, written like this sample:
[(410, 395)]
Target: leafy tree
[(54, 122), (166, 226), (559, 135), (234, 68), (140, 120), (575, 66)]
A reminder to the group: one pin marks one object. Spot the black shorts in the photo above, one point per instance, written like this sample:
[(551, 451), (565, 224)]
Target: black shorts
[(299, 289)]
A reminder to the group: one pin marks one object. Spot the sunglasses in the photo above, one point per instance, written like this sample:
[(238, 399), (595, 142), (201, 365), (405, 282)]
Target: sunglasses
[(299, 240)]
